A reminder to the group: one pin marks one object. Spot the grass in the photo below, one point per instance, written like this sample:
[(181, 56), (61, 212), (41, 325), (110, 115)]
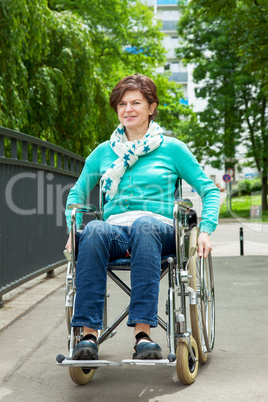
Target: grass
[(241, 208)]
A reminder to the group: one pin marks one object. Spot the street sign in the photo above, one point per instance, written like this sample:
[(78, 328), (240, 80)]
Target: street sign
[(226, 178)]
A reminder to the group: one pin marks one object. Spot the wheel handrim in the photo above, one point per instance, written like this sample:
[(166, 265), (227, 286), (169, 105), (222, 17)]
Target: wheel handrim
[(199, 306), (207, 302)]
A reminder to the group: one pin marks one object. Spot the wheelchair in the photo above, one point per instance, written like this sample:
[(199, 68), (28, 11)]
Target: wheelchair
[(190, 305)]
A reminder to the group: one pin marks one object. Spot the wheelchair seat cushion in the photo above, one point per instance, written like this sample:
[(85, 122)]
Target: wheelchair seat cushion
[(124, 263)]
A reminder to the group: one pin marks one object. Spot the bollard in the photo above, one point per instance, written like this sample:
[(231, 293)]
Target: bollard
[(241, 242), (50, 274)]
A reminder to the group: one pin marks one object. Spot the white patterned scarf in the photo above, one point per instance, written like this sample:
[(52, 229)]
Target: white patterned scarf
[(128, 153)]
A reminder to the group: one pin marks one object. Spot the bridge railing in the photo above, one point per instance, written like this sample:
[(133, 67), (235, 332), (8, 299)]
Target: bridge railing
[(35, 178)]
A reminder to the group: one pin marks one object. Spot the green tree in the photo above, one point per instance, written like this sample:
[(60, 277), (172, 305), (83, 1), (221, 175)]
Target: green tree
[(60, 60), (247, 31), (236, 110), (46, 70)]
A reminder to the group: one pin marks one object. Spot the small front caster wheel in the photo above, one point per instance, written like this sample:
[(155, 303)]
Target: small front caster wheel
[(186, 367), (80, 375)]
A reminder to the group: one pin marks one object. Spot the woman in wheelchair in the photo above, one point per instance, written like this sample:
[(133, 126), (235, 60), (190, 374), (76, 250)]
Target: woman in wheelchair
[(138, 167)]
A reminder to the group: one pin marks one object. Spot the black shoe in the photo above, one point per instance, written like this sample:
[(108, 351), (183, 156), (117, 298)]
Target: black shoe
[(86, 349), (146, 350)]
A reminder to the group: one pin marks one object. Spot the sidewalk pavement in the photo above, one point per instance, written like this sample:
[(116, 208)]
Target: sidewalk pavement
[(226, 239), (235, 371), (22, 299)]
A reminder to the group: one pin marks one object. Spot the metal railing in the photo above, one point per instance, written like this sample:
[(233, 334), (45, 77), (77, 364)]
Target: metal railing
[(35, 179)]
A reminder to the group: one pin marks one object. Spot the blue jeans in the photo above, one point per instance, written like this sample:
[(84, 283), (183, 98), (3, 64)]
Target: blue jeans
[(147, 240)]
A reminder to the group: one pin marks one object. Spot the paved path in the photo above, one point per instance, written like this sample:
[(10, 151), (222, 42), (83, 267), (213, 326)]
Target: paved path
[(237, 369), (23, 298), (226, 238), (33, 332)]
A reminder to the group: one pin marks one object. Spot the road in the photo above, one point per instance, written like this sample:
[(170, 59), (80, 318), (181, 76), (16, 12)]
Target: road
[(236, 370)]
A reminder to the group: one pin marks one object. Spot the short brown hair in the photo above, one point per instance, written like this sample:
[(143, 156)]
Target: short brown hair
[(132, 83)]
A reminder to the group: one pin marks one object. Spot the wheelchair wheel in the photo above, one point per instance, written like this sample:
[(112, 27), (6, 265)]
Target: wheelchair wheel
[(203, 313), (186, 367), (80, 375)]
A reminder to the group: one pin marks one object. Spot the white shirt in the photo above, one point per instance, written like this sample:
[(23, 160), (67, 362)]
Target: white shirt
[(127, 218)]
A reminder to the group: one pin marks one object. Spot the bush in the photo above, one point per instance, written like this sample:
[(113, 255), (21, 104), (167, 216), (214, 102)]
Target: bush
[(246, 187), (256, 185), (241, 188)]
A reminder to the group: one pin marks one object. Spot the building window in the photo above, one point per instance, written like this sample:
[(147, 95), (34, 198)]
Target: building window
[(169, 26)]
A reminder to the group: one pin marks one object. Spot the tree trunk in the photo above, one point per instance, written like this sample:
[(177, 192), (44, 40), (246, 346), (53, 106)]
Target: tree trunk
[(264, 191)]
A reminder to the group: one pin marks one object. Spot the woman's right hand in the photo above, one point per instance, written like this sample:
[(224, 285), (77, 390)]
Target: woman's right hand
[(69, 243)]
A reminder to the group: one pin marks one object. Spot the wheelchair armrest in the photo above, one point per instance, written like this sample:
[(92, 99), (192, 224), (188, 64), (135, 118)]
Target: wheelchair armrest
[(183, 204), (84, 208)]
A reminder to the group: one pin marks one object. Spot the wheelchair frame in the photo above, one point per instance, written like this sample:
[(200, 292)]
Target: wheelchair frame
[(191, 300)]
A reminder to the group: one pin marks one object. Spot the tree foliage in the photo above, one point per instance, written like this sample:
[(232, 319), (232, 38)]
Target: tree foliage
[(217, 135), (236, 110), (46, 70), (247, 31), (60, 60)]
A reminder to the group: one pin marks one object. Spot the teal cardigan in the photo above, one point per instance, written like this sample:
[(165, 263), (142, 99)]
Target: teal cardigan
[(150, 183)]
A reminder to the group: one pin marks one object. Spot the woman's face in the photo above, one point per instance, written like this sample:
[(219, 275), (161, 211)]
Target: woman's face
[(134, 111)]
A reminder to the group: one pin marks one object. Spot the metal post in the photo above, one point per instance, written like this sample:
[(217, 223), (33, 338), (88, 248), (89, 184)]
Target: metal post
[(230, 196), (227, 197), (50, 274), (1, 302), (241, 242)]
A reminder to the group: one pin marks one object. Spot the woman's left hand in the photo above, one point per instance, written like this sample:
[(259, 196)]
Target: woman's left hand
[(204, 244)]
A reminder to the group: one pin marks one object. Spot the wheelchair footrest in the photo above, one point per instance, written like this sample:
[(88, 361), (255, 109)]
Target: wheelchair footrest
[(147, 362), (68, 362)]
